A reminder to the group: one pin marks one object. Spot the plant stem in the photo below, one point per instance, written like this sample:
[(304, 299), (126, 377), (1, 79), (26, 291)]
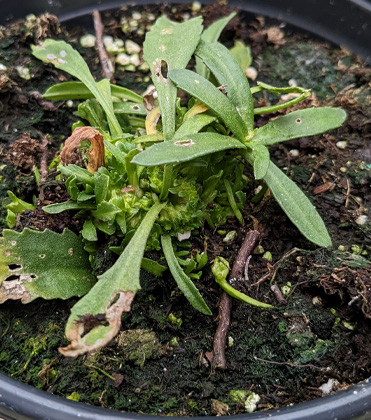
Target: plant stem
[(225, 304)]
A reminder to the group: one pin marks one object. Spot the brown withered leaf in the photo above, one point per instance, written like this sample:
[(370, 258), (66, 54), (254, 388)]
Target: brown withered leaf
[(96, 154)]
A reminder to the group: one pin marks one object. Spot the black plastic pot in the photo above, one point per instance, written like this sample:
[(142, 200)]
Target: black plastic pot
[(343, 22)]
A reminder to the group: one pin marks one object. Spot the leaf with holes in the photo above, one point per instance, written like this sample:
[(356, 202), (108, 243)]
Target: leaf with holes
[(185, 149), (43, 264), (169, 45), (302, 123), (228, 73), (64, 57), (210, 95), (111, 296)]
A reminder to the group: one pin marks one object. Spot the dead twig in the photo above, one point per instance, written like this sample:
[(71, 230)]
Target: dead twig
[(225, 304), (102, 53), (276, 266), (288, 364), (278, 294)]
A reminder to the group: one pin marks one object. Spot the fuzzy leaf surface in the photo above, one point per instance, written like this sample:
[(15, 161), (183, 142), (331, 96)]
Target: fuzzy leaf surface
[(212, 34), (184, 283), (301, 123), (43, 264), (206, 92), (297, 206), (111, 295), (64, 57), (185, 149), (77, 90), (169, 45), (228, 73)]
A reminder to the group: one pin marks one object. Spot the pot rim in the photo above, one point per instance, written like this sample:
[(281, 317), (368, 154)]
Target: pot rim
[(19, 401)]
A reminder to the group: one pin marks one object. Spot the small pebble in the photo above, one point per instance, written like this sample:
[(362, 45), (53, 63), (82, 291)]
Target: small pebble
[(294, 152), (196, 6), (361, 220), (251, 73), (88, 41), (123, 59), (341, 144), (23, 72), (132, 47)]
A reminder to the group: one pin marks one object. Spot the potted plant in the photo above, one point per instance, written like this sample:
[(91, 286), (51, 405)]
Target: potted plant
[(206, 128)]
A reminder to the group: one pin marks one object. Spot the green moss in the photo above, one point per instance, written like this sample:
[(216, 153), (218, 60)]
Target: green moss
[(139, 345)]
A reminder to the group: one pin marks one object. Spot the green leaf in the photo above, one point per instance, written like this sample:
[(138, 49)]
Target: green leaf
[(101, 187), (261, 160), (153, 267), (194, 125), (14, 207), (89, 232), (242, 53), (77, 90), (106, 211), (228, 73), (129, 108), (64, 57), (43, 264), (68, 205), (169, 45), (301, 123), (111, 295), (184, 283), (206, 92), (81, 174), (212, 34), (232, 202), (297, 206), (185, 149)]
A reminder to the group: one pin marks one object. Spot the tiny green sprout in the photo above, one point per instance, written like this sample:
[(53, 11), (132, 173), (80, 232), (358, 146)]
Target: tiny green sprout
[(167, 167)]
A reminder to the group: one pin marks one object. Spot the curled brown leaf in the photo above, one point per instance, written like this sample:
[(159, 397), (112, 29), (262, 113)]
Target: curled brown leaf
[(96, 154)]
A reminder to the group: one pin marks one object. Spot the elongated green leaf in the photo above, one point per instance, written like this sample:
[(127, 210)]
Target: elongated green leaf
[(77, 90), (297, 206), (169, 45), (212, 34), (68, 205), (194, 125), (111, 295), (43, 264), (184, 283), (153, 267), (228, 73), (242, 53), (129, 108), (301, 123), (64, 57), (261, 160), (232, 201), (185, 149), (81, 174), (206, 92)]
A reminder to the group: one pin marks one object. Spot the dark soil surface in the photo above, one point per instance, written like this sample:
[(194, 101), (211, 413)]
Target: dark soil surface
[(284, 355)]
